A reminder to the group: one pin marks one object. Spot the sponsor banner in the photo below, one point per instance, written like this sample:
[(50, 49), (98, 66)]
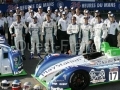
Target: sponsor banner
[(54, 5)]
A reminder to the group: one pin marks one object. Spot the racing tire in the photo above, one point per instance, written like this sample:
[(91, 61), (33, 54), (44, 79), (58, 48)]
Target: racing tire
[(79, 80)]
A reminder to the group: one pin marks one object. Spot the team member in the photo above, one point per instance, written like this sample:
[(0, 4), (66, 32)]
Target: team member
[(23, 19), (78, 15), (27, 14), (34, 30), (40, 14), (94, 19), (87, 14), (18, 33), (85, 34), (100, 33), (60, 8), (16, 13), (49, 30), (49, 11), (72, 31), (113, 28), (72, 11), (108, 19), (62, 25), (10, 20), (27, 37), (3, 22), (69, 15)]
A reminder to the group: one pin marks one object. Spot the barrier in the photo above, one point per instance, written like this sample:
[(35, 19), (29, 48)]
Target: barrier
[(54, 5)]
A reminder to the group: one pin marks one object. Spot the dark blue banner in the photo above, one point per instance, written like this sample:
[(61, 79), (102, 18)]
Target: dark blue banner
[(54, 5)]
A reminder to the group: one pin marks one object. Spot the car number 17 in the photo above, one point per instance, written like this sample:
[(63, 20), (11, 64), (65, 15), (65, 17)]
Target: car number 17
[(113, 75)]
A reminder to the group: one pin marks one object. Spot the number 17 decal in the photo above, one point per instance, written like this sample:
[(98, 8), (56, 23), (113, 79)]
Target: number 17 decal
[(113, 75)]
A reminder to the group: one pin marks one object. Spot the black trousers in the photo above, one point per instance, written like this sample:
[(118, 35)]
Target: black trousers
[(28, 41), (2, 32), (112, 40), (64, 41)]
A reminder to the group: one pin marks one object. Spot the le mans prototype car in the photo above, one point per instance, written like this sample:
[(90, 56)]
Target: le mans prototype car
[(11, 63), (68, 72)]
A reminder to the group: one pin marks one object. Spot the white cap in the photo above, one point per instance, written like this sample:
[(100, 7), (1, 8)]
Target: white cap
[(48, 8), (56, 10), (60, 7), (31, 11), (72, 8), (96, 11), (63, 13), (109, 12), (65, 7), (112, 15), (0, 11), (29, 6), (40, 7), (11, 11), (17, 7), (86, 11)]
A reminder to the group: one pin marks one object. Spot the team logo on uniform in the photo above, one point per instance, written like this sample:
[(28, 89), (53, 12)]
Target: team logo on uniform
[(60, 4)]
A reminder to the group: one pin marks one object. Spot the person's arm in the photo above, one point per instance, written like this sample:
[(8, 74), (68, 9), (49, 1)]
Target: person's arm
[(69, 30), (104, 29), (26, 29), (10, 29), (55, 29), (43, 29)]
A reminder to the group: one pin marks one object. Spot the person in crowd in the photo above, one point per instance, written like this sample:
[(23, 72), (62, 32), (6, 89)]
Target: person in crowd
[(73, 32), (113, 29), (40, 14), (49, 30), (18, 34), (64, 37), (94, 19), (27, 37), (61, 8), (49, 11), (100, 33), (35, 32), (27, 14), (22, 13), (10, 20), (69, 15), (85, 35), (17, 11), (78, 15), (108, 19), (60, 13), (3, 23), (72, 11), (87, 14)]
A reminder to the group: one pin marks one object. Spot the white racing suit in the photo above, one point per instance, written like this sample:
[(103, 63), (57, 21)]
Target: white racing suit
[(85, 34), (34, 30), (49, 30), (100, 32), (72, 31), (18, 31)]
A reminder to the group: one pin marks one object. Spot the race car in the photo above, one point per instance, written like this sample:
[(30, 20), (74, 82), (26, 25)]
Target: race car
[(11, 63), (77, 72)]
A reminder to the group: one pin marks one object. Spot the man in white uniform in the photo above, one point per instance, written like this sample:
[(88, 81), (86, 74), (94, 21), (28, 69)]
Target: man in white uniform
[(16, 13), (85, 35), (78, 15), (100, 33), (62, 26), (73, 31), (49, 30), (10, 20), (40, 14), (108, 19), (18, 34), (34, 30), (113, 29)]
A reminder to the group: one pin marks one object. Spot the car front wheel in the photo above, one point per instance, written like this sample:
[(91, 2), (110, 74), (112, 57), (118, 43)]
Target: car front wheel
[(79, 80)]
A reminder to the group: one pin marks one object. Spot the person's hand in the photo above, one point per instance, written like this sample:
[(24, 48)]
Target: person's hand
[(90, 42), (69, 52), (14, 35)]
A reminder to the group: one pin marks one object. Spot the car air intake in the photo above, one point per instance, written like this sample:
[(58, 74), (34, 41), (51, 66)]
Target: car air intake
[(5, 55)]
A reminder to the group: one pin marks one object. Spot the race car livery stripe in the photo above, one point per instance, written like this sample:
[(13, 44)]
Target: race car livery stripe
[(70, 62)]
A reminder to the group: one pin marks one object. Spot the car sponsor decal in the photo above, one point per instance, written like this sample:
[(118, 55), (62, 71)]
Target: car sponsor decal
[(67, 63), (113, 74), (97, 76)]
